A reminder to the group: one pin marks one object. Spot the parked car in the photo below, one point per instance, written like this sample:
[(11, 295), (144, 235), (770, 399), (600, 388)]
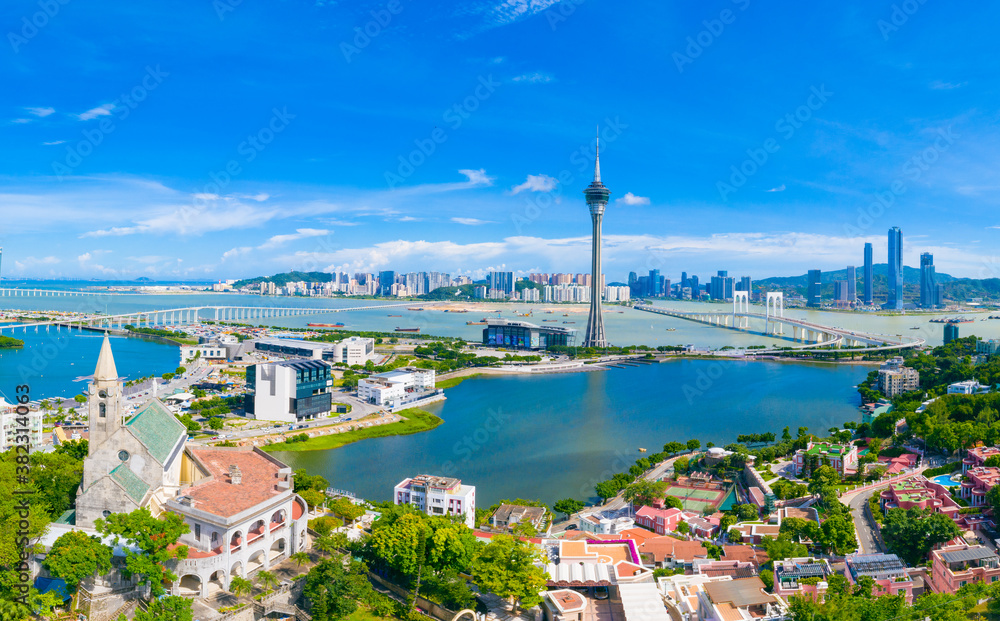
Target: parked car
[(572, 527), (601, 592)]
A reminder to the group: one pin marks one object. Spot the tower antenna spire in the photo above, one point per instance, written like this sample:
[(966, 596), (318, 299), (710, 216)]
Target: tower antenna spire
[(597, 160)]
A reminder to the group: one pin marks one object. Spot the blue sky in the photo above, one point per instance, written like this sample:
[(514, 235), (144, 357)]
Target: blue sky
[(202, 140)]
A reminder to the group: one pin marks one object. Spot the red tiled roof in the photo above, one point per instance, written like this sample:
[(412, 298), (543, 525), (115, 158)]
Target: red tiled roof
[(218, 495), (662, 548), (744, 554)]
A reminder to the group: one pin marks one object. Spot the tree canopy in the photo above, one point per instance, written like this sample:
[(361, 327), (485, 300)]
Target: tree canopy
[(153, 537)]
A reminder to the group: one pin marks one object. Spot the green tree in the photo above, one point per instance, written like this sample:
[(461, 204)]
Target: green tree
[(77, 449), (300, 558), (55, 477), (672, 448), (170, 608), (993, 498), (346, 509), (152, 537), (838, 535), (672, 502), (215, 423), (746, 512), (645, 492), (333, 589), (81, 399), (683, 528), (266, 580), (607, 489), (314, 498), (568, 506), (693, 444), (76, 556), (507, 567), (785, 435), (822, 478), (240, 586), (911, 533), (780, 548), (682, 465)]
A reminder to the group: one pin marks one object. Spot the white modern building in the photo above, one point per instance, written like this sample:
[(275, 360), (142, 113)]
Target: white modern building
[(396, 388), (605, 522), (289, 391), (895, 378), (438, 496), (352, 350), (969, 387), (11, 427), (209, 352)]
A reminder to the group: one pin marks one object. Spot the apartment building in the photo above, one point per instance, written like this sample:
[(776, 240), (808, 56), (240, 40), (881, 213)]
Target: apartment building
[(435, 495)]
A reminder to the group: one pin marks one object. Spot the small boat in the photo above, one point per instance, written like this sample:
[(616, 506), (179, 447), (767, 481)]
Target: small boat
[(414, 308), (325, 325), (566, 315), (550, 320), (671, 329), (642, 450), (475, 323), (569, 322), (407, 329), (394, 315)]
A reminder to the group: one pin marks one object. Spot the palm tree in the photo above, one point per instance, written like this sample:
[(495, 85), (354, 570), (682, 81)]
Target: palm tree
[(300, 558), (267, 580), (326, 544), (240, 586)]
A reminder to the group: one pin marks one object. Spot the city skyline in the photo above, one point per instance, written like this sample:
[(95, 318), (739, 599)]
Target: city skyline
[(141, 184)]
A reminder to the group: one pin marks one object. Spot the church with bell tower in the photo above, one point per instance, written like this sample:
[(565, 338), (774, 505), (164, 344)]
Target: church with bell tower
[(129, 464)]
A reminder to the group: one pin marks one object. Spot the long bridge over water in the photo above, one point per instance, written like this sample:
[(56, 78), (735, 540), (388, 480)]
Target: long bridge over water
[(772, 322), (189, 315)]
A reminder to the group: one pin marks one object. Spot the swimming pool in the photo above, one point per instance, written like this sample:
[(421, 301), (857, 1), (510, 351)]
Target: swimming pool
[(945, 479)]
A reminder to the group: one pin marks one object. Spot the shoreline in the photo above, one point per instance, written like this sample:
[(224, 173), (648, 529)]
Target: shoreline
[(414, 420)]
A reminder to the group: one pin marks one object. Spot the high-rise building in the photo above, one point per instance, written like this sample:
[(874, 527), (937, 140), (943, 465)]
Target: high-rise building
[(950, 332), (745, 284), (597, 196), (385, 282), (869, 275), (814, 294), (852, 284), (501, 282), (928, 282), (895, 299), (654, 283), (633, 281), (721, 286), (841, 293), (695, 287)]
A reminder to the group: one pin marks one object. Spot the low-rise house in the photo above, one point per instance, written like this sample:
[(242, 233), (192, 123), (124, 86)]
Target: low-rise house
[(952, 567), (921, 493), (564, 605), (755, 533), (901, 463), (731, 600), (895, 378), (981, 479), (969, 387), (670, 553), (605, 522), (888, 571), (395, 389), (680, 593), (733, 569), (840, 457), (660, 521), (747, 554), (977, 456), (803, 577), (438, 496), (506, 517)]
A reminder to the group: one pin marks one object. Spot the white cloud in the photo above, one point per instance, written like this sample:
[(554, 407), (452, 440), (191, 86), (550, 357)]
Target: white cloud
[(536, 183), (632, 199), (93, 113), (220, 215), (533, 78), (477, 177), (780, 188), (280, 240), (41, 112), (509, 11), (153, 258), (938, 85), (83, 258), (471, 221), (236, 252), (28, 262), (53, 143), (20, 121)]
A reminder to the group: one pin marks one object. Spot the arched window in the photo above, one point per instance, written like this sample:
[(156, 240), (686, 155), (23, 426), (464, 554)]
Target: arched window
[(102, 410)]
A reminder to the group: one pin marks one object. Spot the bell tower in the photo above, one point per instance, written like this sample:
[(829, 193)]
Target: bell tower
[(105, 411)]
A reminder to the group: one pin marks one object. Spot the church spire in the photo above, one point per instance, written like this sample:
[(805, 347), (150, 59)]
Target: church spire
[(597, 160), (105, 363)]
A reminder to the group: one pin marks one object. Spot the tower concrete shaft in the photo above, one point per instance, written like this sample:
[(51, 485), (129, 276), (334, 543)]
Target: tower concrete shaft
[(597, 199)]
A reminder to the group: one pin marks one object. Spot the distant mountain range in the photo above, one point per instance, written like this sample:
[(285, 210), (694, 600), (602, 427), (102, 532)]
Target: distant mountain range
[(956, 289), (910, 274), (280, 280)]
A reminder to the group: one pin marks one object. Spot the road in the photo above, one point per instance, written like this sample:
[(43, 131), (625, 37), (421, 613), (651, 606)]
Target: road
[(867, 543)]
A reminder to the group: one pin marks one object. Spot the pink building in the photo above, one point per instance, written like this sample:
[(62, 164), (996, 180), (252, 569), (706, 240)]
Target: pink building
[(887, 570), (919, 492), (977, 456), (981, 480), (660, 521), (955, 566)]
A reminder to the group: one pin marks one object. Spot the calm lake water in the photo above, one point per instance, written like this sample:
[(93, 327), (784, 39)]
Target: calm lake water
[(553, 436)]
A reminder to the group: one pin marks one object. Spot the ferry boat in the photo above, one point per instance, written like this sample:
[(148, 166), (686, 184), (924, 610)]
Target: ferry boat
[(325, 325), (475, 323), (407, 329), (394, 315)]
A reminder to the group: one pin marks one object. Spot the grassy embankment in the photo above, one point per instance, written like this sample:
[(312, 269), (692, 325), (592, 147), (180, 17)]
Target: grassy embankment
[(451, 382), (414, 420)]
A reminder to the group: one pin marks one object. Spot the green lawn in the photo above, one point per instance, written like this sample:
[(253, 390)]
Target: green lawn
[(414, 420), (363, 614), (451, 382)]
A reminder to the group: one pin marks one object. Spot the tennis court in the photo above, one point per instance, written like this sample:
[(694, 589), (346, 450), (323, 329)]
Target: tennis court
[(695, 494)]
